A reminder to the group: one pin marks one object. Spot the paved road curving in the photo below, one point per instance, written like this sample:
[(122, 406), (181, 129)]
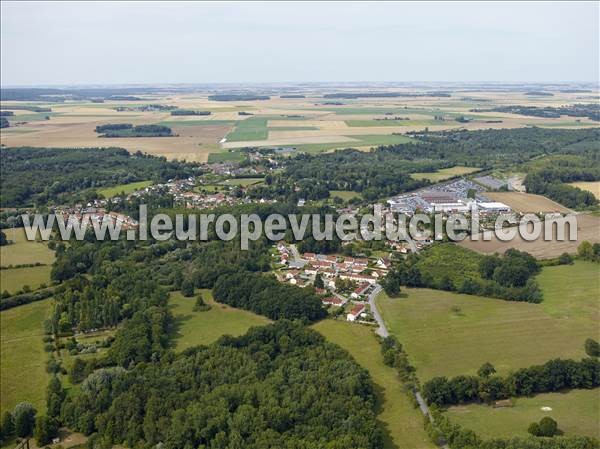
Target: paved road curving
[(382, 329)]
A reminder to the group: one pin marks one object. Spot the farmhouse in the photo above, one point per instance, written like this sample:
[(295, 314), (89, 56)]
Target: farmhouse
[(360, 290), (355, 312), (332, 301)]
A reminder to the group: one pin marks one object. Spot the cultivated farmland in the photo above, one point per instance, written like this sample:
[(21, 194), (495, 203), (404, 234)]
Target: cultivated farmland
[(309, 123), (527, 202), (587, 229)]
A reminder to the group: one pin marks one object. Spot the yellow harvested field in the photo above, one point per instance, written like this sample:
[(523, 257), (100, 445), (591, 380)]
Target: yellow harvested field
[(588, 228), (71, 124), (290, 141), (193, 143), (592, 186), (527, 202)]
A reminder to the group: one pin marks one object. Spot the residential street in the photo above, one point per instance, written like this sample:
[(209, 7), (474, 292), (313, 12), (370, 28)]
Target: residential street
[(381, 330)]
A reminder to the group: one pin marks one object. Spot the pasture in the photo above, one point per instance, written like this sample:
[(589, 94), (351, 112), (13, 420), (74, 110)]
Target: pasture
[(23, 251), (109, 192), (401, 422), (577, 413), (451, 334), (243, 182), (202, 328), (344, 195), (444, 173), (22, 357), (15, 279)]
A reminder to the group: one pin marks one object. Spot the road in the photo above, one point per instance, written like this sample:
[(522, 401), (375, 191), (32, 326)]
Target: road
[(382, 329), (383, 332)]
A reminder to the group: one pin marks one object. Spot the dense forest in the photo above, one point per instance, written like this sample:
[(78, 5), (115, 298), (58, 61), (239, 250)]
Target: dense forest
[(279, 386), (256, 292), (554, 375), (128, 130), (237, 97), (353, 96), (57, 175), (547, 176), (189, 112), (446, 266), (4, 122), (385, 171), (591, 111), (375, 175)]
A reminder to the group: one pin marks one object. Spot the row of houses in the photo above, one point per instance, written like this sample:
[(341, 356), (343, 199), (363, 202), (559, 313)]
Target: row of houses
[(93, 215)]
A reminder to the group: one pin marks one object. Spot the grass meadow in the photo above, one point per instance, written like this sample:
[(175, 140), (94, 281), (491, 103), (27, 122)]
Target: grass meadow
[(402, 424), (15, 279), (345, 195), (444, 173), (577, 413), (23, 251), (202, 328), (109, 192), (22, 357), (450, 334), (243, 182)]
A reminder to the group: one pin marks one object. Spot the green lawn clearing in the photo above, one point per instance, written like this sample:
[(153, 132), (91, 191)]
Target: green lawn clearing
[(109, 192), (444, 173), (23, 360), (577, 413), (15, 279), (202, 328), (401, 422), (450, 334), (23, 251)]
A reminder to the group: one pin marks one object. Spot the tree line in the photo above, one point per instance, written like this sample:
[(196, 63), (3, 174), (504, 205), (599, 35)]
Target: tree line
[(554, 375)]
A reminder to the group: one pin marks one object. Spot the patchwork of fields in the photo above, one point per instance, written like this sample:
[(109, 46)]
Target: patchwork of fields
[(308, 124)]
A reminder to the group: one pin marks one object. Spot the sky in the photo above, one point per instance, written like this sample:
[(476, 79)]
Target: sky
[(71, 43)]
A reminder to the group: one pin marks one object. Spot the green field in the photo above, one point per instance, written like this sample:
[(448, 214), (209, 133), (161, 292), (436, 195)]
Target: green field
[(361, 141), (402, 424), (253, 128), (444, 173), (202, 328), (22, 357), (450, 334), (577, 413), (242, 181), (225, 156), (109, 192), (390, 122), (207, 122), (23, 251), (14, 279), (344, 194), (293, 128)]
